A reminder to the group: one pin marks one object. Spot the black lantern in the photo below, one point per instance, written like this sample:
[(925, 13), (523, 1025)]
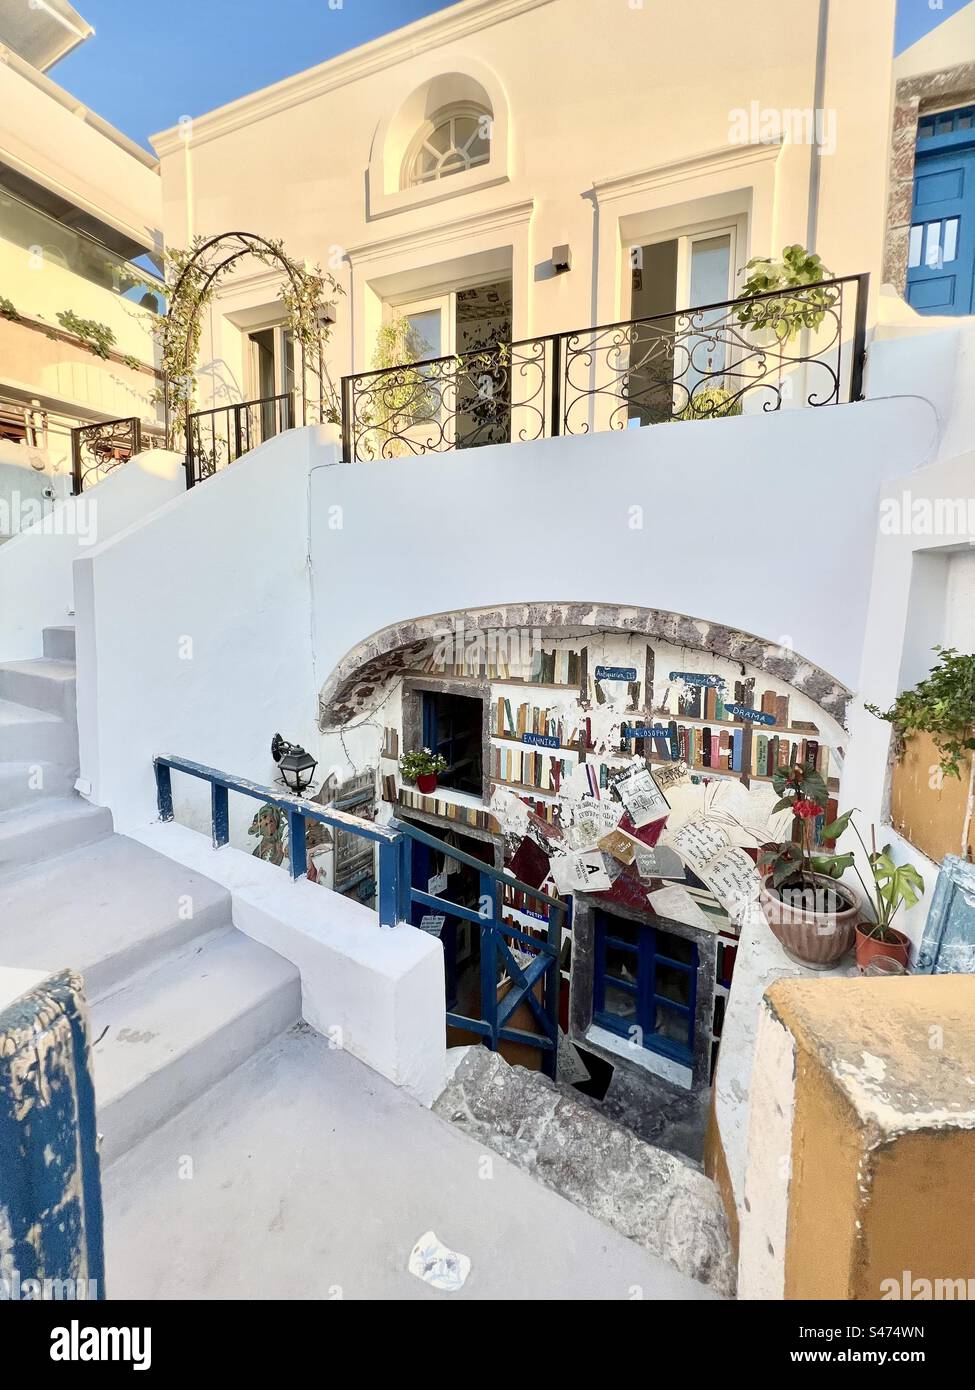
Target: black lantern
[(297, 767)]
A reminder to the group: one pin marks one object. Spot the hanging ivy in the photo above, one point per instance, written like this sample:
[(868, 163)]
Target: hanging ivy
[(193, 276)]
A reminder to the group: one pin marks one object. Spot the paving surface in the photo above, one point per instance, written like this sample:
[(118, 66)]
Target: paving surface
[(313, 1177)]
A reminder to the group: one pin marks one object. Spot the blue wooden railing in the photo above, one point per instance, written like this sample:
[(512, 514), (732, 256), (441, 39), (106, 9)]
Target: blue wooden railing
[(397, 898)]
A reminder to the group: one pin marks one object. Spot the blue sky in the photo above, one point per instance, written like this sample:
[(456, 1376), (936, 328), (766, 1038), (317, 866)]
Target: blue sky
[(152, 61), (916, 17)]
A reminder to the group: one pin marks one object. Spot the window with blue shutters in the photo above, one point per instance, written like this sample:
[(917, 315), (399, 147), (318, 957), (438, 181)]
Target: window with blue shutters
[(941, 244), (645, 985)]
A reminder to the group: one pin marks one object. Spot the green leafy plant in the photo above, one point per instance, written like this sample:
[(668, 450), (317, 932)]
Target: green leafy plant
[(943, 705), (7, 309), (306, 293), (96, 337), (786, 315), (421, 763), (894, 886), (794, 863), (404, 395), (710, 403)]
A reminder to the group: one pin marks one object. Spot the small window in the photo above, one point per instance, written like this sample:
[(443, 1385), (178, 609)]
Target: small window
[(645, 986), (453, 726), (455, 140)]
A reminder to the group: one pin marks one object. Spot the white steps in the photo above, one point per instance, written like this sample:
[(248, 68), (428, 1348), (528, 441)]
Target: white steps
[(51, 826), (24, 784), (43, 683), (175, 1033), (178, 998), (59, 643), (33, 735), (112, 910)]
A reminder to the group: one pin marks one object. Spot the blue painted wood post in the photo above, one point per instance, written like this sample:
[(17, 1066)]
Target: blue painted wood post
[(297, 848), (219, 814), (390, 881), (488, 909), (50, 1184), (164, 791)]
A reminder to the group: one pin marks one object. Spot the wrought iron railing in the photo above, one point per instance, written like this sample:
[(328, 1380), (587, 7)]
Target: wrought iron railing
[(99, 448), (756, 354), (217, 437), (531, 963)]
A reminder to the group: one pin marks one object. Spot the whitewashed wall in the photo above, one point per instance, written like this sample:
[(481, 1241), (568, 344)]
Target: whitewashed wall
[(36, 586)]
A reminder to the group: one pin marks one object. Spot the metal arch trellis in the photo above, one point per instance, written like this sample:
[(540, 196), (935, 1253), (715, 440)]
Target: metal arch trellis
[(248, 244)]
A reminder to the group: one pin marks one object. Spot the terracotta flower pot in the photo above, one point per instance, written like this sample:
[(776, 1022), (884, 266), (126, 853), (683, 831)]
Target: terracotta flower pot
[(810, 937), (427, 783), (898, 946)]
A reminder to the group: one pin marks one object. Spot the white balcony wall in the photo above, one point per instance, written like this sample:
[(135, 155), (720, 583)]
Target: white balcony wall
[(49, 137), (40, 288), (213, 623), (36, 582)]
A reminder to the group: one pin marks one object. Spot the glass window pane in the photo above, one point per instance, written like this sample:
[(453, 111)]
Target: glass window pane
[(439, 139), (619, 1002), (622, 929), (427, 328), (621, 963), (670, 982), (710, 269), (672, 1025), (465, 128), (676, 947), (951, 239), (932, 245), (914, 245)]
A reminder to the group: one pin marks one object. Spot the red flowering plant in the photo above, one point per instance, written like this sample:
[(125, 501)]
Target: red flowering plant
[(794, 863)]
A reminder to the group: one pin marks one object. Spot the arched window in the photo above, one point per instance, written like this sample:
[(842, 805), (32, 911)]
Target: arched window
[(457, 138)]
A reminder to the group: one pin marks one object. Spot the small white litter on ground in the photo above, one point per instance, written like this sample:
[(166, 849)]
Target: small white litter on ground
[(436, 1265)]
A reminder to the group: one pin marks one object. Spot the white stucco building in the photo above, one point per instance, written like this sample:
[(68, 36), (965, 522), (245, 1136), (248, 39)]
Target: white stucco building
[(552, 206), (80, 236)]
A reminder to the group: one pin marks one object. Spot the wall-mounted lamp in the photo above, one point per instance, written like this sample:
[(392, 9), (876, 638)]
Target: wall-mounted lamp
[(297, 767), (561, 259)]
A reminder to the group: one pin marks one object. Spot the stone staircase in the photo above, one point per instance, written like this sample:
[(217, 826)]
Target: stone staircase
[(178, 997)]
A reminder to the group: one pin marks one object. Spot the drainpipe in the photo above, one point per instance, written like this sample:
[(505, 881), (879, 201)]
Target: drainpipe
[(819, 95)]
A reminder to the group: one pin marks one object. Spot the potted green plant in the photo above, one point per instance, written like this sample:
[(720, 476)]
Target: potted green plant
[(943, 706), (783, 316), (810, 914), (895, 886), (710, 402), (421, 766)]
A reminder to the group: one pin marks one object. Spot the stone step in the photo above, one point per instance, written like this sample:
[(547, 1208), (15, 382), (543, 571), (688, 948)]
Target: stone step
[(43, 683), (52, 826), (23, 784), (166, 1039), (34, 735), (59, 643), (111, 910)]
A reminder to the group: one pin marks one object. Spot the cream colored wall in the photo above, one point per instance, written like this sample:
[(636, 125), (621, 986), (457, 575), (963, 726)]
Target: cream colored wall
[(45, 140), (40, 288), (619, 121)]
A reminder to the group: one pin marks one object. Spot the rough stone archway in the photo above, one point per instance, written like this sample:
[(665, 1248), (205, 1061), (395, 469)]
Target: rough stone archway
[(358, 677)]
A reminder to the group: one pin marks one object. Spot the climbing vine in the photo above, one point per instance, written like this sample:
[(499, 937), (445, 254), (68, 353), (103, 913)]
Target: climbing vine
[(193, 275)]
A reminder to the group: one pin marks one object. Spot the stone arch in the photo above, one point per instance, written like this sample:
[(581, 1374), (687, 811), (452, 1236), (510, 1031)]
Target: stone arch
[(367, 666)]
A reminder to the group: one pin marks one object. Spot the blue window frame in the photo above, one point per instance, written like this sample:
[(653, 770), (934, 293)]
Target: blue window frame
[(941, 244), (645, 985), (453, 726)]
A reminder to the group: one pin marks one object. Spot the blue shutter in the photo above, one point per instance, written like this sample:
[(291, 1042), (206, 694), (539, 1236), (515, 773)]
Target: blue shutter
[(941, 248)]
